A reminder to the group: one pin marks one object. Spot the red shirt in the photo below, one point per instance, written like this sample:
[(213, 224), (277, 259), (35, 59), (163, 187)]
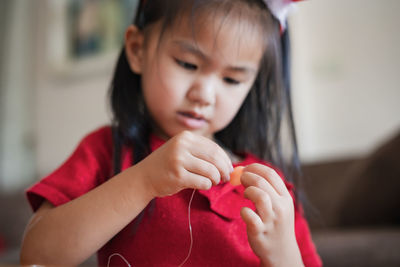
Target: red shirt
[(160, 235)]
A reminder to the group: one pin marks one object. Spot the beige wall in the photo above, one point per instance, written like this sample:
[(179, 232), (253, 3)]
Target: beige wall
[(346, 76), (65, 113), (70, 96), (16, 91)]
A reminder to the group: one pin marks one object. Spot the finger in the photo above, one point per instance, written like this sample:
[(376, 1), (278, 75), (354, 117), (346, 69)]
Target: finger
[(262, 202), (209, 151), (251, 179), (252, 220), (197, 181), (269, 175), (203, 168)]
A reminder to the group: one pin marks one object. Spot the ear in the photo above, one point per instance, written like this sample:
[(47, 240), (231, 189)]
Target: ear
[(134, 45)]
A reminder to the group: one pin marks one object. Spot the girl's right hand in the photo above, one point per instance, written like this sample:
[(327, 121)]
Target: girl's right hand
[(186, 160)]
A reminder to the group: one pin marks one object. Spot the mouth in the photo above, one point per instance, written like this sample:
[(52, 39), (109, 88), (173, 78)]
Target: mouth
[(191, 119), (192, 115)]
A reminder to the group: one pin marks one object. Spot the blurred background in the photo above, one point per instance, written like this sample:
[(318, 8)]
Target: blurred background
[(56, 60)]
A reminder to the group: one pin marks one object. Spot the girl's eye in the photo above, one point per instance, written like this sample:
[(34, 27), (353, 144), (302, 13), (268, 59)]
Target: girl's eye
[(231, 81), (186, 65)]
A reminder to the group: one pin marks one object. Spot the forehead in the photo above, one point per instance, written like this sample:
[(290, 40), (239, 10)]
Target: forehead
[(229, 36)]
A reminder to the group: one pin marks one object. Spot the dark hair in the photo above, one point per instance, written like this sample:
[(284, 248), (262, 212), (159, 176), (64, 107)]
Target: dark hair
[(256, 128)]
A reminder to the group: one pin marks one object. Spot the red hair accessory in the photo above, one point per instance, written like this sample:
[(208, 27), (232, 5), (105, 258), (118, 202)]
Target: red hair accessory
[(280, 9)]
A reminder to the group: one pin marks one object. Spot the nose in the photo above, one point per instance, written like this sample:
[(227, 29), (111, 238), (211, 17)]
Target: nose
[(202, 91)]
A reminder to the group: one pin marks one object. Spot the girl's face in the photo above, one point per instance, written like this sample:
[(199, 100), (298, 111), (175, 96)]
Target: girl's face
[(195, 77)]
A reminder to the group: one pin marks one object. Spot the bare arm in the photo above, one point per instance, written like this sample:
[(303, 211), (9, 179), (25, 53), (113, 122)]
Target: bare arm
[(72, 232)]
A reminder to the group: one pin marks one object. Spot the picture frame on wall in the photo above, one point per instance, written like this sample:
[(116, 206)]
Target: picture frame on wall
[(97, 26), (85, 36)]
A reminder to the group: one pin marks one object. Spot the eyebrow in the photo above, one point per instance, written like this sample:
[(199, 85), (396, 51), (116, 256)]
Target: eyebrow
[(190, 48)]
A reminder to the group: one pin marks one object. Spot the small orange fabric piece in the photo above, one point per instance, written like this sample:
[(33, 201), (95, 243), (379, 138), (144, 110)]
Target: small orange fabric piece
[(235, 175)]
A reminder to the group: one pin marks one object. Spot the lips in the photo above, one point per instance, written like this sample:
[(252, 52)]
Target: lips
[(192, 115), (191, 119)]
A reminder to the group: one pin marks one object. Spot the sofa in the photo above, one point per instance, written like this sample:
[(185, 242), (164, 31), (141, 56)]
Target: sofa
[(353, 209)]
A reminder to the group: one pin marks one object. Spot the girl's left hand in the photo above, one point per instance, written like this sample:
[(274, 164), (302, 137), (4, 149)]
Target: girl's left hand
[(270, 230)]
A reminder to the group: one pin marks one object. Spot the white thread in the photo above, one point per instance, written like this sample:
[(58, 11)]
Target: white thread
[(191, 239), (117, 254), (190, 231)]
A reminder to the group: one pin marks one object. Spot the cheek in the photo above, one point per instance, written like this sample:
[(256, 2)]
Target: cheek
[(171, 75), (229, 104), (163, 86)]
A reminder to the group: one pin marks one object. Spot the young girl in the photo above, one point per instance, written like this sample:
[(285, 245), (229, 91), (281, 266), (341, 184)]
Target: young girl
[(197, 90)]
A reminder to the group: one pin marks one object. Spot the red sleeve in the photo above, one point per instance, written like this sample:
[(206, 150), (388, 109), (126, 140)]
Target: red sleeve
[(307, 248), (87, 167)]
